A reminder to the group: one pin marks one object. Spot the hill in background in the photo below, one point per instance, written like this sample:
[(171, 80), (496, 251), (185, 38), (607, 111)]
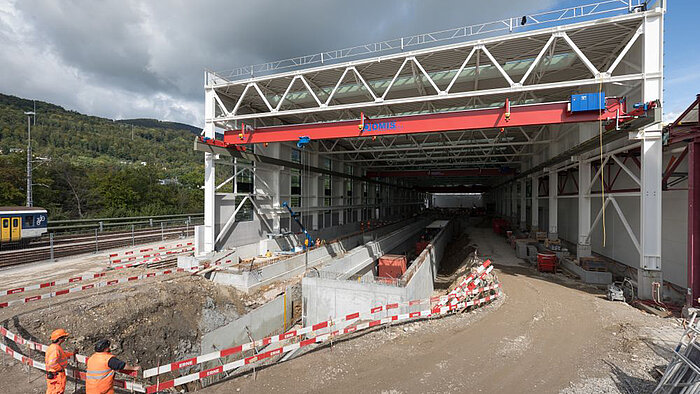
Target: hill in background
[(161, 124), (87, 166)]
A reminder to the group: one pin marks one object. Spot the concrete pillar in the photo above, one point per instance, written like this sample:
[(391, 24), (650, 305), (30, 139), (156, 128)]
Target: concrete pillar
[(534, 218), (499, 201), (553, 204), (502, 201), (583, 248), (651, 163), (513, 203), (209, 229), (523, 205), (506, 198)]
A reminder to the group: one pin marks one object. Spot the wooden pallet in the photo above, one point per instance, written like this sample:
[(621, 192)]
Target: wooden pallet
[(596, 269)]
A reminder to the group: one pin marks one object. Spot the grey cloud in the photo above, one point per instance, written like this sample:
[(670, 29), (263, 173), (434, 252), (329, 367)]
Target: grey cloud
[(127, 58)]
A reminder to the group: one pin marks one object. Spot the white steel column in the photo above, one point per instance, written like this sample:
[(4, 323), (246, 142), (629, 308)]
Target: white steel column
[(649, 273), (553, 205), (583, 249), (650, 214), (523, 205), (208, 234), (535, 209)]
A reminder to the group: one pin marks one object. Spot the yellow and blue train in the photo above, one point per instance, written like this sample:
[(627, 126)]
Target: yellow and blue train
[(22, 224)]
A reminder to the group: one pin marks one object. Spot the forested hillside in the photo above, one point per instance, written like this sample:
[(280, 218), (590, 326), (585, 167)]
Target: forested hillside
[(86, 166)]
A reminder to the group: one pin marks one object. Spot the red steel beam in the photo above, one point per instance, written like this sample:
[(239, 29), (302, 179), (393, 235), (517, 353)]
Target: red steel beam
[(432, 173), (693, 223), (453, 189), (524, 115)]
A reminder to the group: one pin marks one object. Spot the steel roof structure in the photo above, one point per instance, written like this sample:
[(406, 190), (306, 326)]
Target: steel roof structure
[(487, 107), (535, 66)]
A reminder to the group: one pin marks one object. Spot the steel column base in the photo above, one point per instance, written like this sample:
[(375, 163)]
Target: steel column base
[(583, 250), (645, 284)]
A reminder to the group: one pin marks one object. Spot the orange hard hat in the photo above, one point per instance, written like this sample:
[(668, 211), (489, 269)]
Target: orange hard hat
[(58, 334)]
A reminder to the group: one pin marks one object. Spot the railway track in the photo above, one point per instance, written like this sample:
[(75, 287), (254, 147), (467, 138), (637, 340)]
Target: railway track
[(73, 238), (84, 244)]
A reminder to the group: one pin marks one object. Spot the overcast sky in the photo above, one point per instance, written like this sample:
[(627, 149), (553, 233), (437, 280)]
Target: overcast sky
[(128, 58)]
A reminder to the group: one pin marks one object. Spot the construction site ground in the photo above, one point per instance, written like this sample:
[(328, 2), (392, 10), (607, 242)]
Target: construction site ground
[(148, 321), (549, 334)]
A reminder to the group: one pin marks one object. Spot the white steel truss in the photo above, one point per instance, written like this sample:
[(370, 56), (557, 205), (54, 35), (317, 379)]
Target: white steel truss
[(431, 80), (522, 22)]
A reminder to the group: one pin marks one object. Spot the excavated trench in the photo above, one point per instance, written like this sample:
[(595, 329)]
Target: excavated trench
[(149, 324)]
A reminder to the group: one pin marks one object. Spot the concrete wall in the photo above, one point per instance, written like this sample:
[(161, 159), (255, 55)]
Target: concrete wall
[(359, 258), (324, 297), (457, 200), (263, 321), (249, 281)]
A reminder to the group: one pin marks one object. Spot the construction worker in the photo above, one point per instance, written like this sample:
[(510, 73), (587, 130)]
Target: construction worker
[(56, 361), (101, 365)]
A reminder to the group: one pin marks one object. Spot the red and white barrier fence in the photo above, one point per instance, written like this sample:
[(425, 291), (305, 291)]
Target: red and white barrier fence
[(43, 348), (83, 276), (294, 333), (94, 286), (154, 258), (176, 250), (470, 281), (131, 253), (59, 282), (134, 387), (318, 339)]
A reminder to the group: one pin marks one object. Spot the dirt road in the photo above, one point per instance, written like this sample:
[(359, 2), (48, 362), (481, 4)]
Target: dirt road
[(548, 334)]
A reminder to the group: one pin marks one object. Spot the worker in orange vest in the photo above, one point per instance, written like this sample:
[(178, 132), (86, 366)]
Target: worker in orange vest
[(101, 366), (56, 361)]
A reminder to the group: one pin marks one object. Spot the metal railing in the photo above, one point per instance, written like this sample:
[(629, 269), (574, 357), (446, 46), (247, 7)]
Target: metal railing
[(72, 237), (103, 224), (517, 23)]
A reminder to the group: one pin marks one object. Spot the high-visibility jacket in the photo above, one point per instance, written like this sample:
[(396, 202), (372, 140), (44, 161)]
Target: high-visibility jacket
[(56, 361), (100, 377)]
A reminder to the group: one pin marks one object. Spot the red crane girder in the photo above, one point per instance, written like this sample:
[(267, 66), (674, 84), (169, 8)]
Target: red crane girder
[(440, 173), (522, 115)]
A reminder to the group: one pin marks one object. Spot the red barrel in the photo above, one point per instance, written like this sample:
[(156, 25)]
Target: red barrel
[(546, 262)]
